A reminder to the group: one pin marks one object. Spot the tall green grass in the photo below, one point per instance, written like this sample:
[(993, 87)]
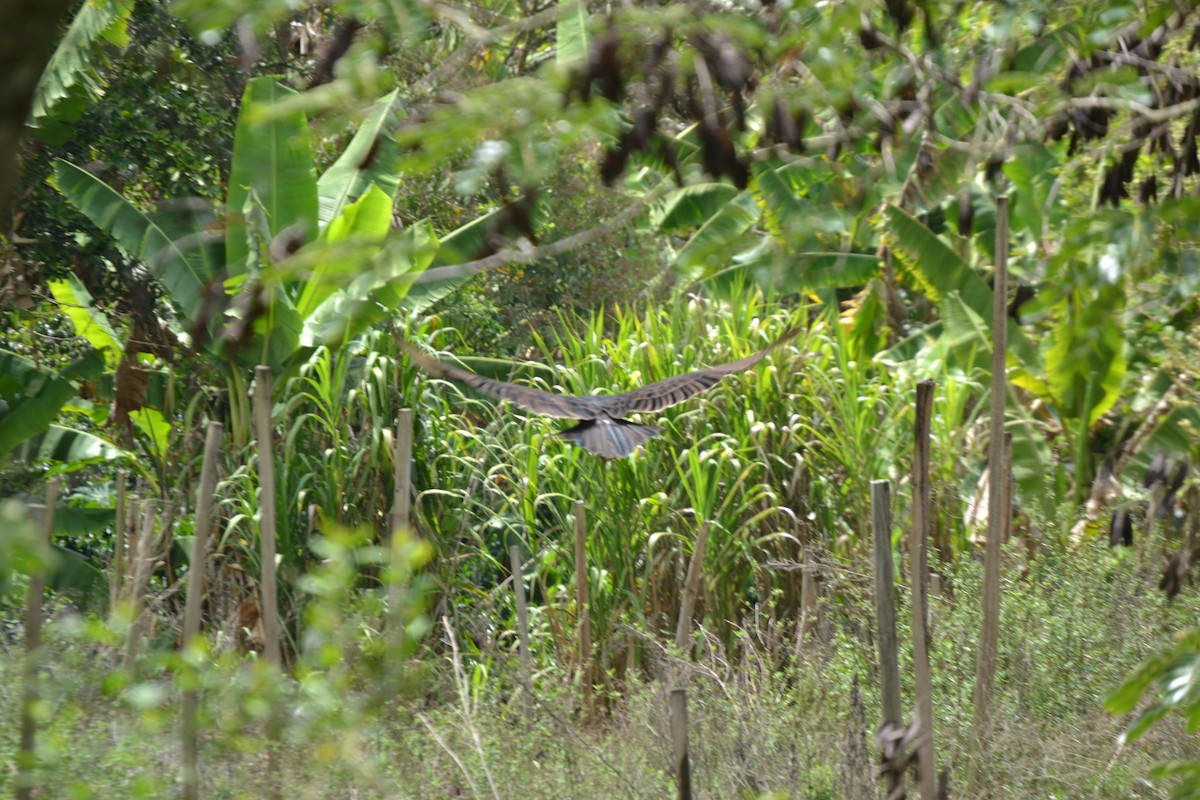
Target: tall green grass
[(774, 461)]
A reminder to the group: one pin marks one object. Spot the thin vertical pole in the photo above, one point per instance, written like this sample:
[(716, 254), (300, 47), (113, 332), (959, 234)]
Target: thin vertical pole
[(266, 484), (402, 470), (885, 601), (139, 577), (985, 667), (679, 744), (131, 539), (27, 755), (919, 560), (195, 593), (583, 610), (118, 544), (691, 588), (514, 558), (400, 518)]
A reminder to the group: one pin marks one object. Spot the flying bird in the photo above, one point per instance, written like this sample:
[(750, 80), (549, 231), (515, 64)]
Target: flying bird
[(602, 428)]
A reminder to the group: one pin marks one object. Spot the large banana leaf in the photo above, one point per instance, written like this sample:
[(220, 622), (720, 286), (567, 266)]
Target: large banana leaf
[(71, 80), (272, 159), (784, 206), (939, 271), (368, 159), (367, 220), (67, 449), (377, 292), (718, 239), (31, 396), (690, 207), (75, 302), (184, 264), (572, 33), (768, 266), (1086, 363), (73, 575)]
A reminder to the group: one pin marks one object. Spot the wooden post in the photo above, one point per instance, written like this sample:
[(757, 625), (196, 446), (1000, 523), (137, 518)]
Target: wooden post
[(918, 557), (679, 743), (401, 515), (130, 537), (266, 484), (402, 470), (808, 601), (514, 558), (27, 754), (117, 569), (195, 595), (581, 605), (139, 574), (985, 667), (691, 589), (885, 601)]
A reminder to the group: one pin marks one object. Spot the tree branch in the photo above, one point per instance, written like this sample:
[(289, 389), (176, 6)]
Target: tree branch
[(530, 254)]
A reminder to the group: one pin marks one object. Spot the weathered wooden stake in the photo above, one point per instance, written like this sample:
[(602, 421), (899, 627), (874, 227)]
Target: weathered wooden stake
[(679, 743), (139, 573), (27, 754), (583, 610), (918, 556), (691, 589), (195, 595), (885, 601), (130, 537), (118, 544), (402, 470), (518, 577), (266, 484), (401, 514), (808, 600), (985, 667)]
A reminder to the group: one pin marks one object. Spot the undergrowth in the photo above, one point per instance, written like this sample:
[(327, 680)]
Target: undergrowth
[(773, 717)]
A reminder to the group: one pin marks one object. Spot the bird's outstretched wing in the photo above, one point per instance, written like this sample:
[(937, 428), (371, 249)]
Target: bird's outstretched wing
[(535, 400), (670, 391), (652, 397)]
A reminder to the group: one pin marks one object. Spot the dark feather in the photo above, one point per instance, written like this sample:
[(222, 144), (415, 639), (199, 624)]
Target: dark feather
[(609, 438)]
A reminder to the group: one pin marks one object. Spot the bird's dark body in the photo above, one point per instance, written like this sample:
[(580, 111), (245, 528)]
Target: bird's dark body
[(603, 429)]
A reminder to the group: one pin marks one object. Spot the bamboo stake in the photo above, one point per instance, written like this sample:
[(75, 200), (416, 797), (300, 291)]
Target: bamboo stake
[(266, 503), (514, 558), (118, 544), (195, 593), (885, 601), (985, 666), (27, 755), (691, 588), (919, 561), (139, 577), (581, 605), (679, 744)]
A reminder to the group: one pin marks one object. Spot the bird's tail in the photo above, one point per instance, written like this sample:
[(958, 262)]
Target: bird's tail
[(610, 438)]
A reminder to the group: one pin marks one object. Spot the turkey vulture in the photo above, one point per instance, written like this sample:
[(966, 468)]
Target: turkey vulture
[(602, 429)]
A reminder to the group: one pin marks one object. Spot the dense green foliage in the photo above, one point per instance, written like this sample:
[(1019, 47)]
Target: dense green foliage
[(588, 200)]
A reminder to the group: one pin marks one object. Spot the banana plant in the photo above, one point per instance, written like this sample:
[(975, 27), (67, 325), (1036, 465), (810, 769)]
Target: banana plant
[(303, 261), (31, 398)]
